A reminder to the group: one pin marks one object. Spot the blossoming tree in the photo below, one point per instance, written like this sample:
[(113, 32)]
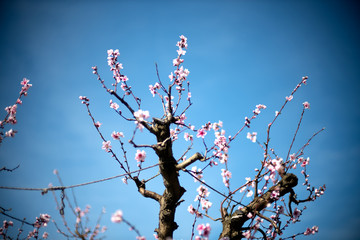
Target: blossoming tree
[(255, 209)]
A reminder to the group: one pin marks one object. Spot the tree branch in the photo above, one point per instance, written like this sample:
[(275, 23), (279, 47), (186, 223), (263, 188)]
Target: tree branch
[(192, 159), (148, 194)]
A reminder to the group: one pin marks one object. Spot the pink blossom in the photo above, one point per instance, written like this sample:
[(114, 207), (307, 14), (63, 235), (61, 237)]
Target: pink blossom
[(94, 68), (106, 146), (305, 162), (226, 174), (153, 88), (275, 194), (181, 119), (140, 156), (114, 105), (124, 180), (296, 214), (204, 230), (202, 191), (117, 135), (217, 126), (304, 80), (252, 136), (260, 106), (197, 172), (45, 235), (201, 133), (10, 133), (247, 234), (117, 217), (171, 76), (281, 209), (289, 98), (183, 42), (205, 204), (11, 109), (140, 238), (306, 105), (141, 115), (6, 224), (181, 52), (191, 209), (189, 96), (250, 193), (25, 87), (188, 137), (174, 133), (97, 124), (312, 230), (177, 61), (24, 81)]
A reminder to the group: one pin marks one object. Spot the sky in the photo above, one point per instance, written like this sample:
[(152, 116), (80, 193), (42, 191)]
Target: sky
[(240, 54)]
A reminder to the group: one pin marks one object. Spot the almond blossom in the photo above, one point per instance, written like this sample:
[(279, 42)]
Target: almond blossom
[(140, 156), (114, 105), (117, 217), (117, 135), (251, 136), (153, 88), (97, 124), (188, 137), (201, 133), (106, 146), (204, 230), (141, 115), (306, 105)]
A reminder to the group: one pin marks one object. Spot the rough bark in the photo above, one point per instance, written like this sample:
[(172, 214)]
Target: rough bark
[(233, 223), (173, 191)]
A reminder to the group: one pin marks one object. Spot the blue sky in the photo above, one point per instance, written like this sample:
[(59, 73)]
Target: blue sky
[(240, 54)]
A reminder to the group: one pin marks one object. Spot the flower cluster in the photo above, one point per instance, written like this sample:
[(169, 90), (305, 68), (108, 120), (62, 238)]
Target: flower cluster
[(113, 105), (256, 112), (204, 231), (80, 214), (117, 135), (226, 175), (11, 110), (221, 144), (115, 67), (188, 137), (274, 165), (181, 73), (192, 210), (312, 230), (84, 100), (25, 87), (251, 136), (41, 221), (117, 217), (153, 89), (203, 193), (197, 172), (140, 116)]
